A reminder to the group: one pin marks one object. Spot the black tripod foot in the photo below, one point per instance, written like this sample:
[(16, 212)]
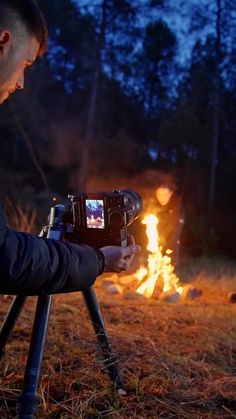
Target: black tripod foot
[(28, 406), (110, 360)]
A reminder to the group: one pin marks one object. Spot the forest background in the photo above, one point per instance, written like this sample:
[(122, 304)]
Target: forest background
[(130, 89)]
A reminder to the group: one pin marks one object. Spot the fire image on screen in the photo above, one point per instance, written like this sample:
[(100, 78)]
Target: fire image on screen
[(95, 213)]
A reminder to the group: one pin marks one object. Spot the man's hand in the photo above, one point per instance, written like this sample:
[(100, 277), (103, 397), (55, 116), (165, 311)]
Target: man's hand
[(119, 258)]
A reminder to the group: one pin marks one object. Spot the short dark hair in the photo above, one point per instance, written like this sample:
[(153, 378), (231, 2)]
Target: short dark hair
[(30, 15)]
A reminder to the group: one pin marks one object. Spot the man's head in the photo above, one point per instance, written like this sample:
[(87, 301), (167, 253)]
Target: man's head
[(164, 194), (23, 37)]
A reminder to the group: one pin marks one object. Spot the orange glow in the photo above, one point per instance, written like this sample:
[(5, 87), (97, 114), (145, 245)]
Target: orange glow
[(159, 265), (151, 228)]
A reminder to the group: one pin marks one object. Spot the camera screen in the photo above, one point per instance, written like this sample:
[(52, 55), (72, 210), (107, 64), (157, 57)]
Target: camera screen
[(95, 213)]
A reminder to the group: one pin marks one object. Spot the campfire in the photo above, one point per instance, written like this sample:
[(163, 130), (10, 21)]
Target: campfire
[(159, 268), (156, 277)]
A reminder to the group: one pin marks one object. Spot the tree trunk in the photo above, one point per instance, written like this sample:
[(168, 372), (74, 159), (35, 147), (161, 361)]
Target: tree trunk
[(89, 132), (26, 139), (216, 107)]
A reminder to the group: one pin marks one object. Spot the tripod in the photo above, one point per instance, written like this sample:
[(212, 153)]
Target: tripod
[(29, 399)]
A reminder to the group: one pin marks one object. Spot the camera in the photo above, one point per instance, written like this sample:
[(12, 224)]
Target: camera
[(101, 219)]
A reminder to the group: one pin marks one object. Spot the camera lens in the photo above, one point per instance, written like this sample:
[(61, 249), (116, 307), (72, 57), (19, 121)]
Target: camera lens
[(133, 200), (116, 219)]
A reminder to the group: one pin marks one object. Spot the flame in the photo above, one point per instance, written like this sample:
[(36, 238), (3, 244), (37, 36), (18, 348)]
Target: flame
[(159, 264), (151, 222)]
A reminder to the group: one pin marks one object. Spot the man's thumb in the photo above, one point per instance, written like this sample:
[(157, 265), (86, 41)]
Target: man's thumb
[(131, 250)]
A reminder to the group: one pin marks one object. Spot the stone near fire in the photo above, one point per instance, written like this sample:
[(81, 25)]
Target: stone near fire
[(170, 296), (232, 297), (126, 279), (121, 392), (107, 282), (114, 289), (110, 277), (133, 295), (190, 292)]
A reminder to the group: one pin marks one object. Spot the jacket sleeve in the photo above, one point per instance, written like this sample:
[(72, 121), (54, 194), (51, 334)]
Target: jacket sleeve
[(32, 265)]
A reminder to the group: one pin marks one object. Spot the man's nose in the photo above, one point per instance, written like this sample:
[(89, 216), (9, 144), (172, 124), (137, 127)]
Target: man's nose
[(20, 82)]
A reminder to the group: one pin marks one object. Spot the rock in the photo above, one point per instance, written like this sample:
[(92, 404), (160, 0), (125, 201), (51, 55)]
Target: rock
[(190, 292), (121, 392), (232, 297), (110, 276), (107, 282), (114, 289), (126, 279), (132, 295), (170, 296), (193, 293)]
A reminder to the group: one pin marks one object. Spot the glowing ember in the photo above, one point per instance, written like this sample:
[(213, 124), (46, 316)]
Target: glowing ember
[(159, 265)]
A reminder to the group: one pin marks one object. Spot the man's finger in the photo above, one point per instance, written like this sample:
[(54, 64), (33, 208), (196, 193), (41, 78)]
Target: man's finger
[(131, 240), (130, 250)]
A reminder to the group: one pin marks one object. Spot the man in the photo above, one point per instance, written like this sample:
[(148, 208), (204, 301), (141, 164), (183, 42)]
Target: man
[(169, 210), (31, 265)]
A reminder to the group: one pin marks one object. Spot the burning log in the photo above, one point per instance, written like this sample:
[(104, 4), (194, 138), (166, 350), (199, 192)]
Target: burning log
[(157, 280), (160, 270)]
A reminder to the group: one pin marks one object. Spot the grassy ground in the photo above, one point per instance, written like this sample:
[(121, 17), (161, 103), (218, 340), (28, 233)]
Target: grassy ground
[(178, 360)]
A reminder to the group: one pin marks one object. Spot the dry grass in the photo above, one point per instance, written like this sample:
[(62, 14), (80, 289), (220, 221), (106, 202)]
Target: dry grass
[(178, 360), (20, 217)]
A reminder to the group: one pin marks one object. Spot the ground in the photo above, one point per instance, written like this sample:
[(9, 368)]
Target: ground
[(177, 360)]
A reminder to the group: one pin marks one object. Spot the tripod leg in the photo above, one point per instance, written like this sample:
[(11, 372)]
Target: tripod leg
[(29, 399), (102, 336), (10, 320)]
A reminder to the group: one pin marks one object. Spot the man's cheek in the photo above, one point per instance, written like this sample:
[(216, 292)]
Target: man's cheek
[(3, 97)]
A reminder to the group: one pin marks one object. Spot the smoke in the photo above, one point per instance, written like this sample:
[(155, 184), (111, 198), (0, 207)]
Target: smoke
[(66, 143)]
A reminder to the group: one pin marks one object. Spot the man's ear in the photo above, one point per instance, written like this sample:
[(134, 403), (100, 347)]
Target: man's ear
[(5, 42)]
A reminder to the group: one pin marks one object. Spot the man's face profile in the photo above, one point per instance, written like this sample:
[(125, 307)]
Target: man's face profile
[(13, 62), (164, 194)]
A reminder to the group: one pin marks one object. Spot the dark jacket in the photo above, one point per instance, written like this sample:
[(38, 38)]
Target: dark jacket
[(30, 265), (171, 219)]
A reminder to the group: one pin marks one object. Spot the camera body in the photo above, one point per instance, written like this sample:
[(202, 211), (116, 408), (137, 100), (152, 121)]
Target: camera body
[(101, 219)]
